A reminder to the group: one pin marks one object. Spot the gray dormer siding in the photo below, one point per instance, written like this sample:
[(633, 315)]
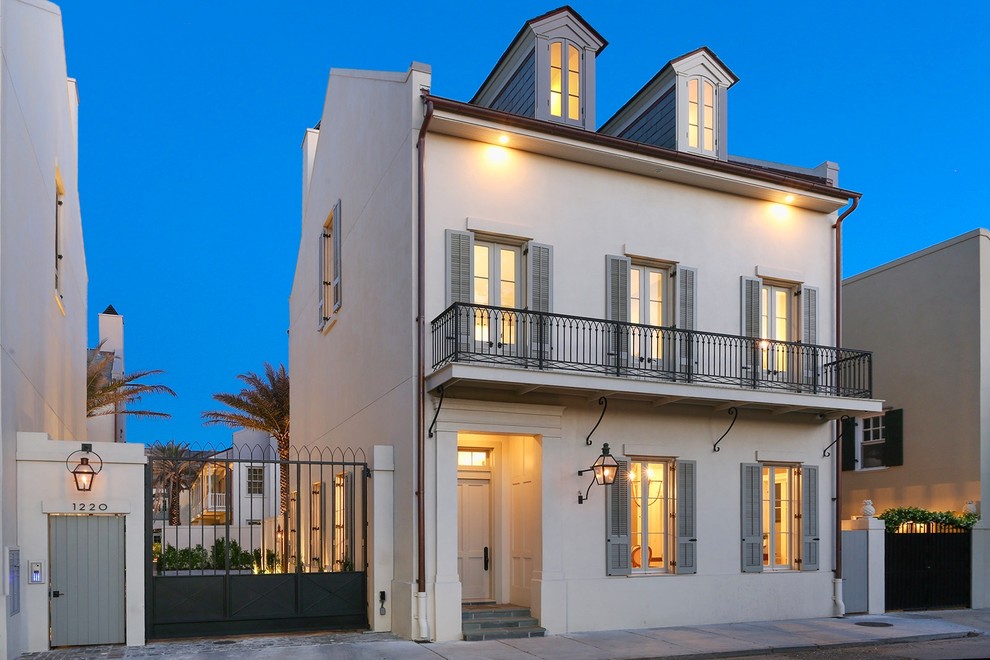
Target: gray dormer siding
[(519, 94), (657, 125)]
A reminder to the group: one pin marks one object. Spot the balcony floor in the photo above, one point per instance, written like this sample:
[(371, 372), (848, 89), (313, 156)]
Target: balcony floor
[(457, 377)]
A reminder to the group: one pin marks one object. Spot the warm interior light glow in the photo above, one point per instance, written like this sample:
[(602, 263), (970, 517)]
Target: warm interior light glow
[(496, 155), (789, 199), (504, 139)]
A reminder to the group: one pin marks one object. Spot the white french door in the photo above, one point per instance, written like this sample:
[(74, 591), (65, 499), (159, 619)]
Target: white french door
[(496, 282)]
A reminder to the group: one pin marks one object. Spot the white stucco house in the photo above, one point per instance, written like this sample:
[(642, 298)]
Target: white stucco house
[(496, 288), (57, 589)]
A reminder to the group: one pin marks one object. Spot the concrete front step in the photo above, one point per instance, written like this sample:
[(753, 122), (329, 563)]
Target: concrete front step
[(489, 621), (503, 633)]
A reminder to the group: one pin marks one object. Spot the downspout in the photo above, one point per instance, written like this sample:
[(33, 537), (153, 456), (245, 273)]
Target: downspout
[(840, 606), (421, 614)]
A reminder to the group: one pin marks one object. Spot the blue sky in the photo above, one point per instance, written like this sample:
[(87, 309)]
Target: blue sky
[(192, 114)]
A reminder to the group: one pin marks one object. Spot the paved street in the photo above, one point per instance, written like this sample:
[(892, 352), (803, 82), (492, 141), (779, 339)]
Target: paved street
[(924, 635)]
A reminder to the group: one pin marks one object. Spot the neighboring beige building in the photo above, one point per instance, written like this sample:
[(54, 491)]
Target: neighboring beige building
[(42, 279), (924, 316), (474, 277)]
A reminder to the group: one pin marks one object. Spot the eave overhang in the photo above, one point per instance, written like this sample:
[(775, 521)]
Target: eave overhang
[(481, 124)]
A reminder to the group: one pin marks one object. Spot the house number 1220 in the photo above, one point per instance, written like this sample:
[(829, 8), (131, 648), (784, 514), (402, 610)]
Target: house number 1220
[(88, 506)]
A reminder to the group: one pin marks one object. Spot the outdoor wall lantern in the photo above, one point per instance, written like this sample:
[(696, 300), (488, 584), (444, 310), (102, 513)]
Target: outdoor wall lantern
[(605, 468), (83, 473)]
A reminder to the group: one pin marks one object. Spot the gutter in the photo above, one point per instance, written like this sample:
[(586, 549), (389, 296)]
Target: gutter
[(840, 606), (421, 613)]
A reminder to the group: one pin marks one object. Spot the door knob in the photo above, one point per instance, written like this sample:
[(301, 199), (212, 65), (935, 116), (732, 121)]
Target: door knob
[(56, 594), (486, 557)]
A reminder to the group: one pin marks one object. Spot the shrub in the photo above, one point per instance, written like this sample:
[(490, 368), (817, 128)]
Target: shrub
[(894, 518)]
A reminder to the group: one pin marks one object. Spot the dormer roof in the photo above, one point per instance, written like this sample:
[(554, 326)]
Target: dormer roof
[(657, 113), (560, 19)]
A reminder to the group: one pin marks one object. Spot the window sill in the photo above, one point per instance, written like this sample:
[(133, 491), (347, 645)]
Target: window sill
[(873, 469), (58, 301), (325, 328)]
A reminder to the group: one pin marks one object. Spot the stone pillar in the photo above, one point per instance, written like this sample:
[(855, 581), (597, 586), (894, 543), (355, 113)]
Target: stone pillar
[(549, 604), (875, 532), (980, 581), (447, 584)]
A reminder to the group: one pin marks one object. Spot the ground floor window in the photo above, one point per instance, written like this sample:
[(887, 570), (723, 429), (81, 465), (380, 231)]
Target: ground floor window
[(652, 515), (779, 517)]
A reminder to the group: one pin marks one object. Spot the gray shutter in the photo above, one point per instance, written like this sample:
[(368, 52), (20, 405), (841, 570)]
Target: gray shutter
[(618, 557), (809, 316), (848, 430), (337, 231), (752, 518), (617, 308), (321, 275), (539, 270), (460, 248), (809, 518), (750, 321), (687, 517), (460, 254), (686, 317), (893, 446), (539, 292), (617, 288)]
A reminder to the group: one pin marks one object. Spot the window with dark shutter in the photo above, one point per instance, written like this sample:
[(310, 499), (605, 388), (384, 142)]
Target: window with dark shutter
[(617, 538)]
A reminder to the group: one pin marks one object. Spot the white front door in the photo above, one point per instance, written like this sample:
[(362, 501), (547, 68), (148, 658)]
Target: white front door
[(474, 538)]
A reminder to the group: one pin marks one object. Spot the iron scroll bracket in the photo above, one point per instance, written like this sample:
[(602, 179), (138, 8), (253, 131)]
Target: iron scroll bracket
[(602, 401), (735, 415), (827, 453), (433, 424)]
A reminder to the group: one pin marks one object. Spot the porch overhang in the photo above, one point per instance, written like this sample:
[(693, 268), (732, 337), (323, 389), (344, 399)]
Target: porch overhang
[(456, 378)]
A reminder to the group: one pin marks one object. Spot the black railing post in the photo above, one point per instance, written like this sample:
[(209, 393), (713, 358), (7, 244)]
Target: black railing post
[(617, 348), (756, 356), (457, 330), (540, 337)]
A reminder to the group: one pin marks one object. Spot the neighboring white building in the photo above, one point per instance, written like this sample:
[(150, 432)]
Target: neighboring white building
[(111, 427), (925, 317), (42, 282), (511, 265)]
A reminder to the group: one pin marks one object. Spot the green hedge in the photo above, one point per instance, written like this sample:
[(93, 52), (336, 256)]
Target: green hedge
[(894, 518)]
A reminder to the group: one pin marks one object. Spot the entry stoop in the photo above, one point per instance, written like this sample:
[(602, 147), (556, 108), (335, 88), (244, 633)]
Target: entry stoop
[(490, 621)]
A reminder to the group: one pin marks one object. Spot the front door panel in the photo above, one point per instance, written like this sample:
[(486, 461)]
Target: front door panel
[(474, 542)]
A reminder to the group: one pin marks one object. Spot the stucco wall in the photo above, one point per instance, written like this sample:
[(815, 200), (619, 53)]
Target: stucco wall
[(923, 318), (43, 356)]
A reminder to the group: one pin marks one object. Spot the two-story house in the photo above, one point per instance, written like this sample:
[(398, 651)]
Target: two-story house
[(497, 288)]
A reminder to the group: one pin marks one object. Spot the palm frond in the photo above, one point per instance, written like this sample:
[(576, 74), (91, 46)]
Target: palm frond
[(106, 395)]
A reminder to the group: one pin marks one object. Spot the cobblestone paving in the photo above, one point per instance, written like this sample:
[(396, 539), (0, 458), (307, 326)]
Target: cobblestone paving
[(244, 645)]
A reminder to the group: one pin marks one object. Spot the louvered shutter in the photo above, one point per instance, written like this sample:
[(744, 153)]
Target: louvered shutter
[(848, 430), (539, 270), (809, 336), (752, 518), (750, 321), (809, 518), (337, 231), (460, 249), (686, 317), (321, 275), (617, 308), (687, 521), (893, 446), (617, 550)]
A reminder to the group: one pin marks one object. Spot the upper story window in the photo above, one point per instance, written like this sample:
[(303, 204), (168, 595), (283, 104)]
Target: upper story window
[(565, 81), (256, 480), (329, 269), (701, 115), (873, 442)]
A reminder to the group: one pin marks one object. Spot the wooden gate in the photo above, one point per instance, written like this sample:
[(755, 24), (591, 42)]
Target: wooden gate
[(87, 579), (226, 557), (928, 566)]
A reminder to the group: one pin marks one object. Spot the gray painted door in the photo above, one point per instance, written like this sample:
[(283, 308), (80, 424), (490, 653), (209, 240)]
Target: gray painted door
[(87, 579)]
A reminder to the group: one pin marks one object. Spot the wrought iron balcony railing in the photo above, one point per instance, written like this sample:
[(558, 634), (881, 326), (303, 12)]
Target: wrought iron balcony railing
[(538, 340)]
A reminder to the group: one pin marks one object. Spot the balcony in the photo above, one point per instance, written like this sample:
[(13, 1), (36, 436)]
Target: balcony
[(527, 351)]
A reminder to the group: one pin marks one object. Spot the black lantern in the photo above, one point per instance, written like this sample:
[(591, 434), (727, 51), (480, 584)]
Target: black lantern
[(83, 472), (605, 468)]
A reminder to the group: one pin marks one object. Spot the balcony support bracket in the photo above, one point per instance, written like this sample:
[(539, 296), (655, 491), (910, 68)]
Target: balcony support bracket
[(603, 402), (433, 424), (735, 415), (827, 453)]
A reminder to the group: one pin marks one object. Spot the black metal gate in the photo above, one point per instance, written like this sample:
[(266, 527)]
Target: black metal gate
[(243, 540), (928, 566)]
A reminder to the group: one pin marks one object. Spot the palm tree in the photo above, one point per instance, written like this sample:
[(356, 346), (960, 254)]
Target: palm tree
[(106, 395), (172, 472), (264, 406)]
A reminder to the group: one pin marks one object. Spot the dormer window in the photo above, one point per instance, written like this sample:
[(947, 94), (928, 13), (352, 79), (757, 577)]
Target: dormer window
[(565, 81), (701, 115)]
